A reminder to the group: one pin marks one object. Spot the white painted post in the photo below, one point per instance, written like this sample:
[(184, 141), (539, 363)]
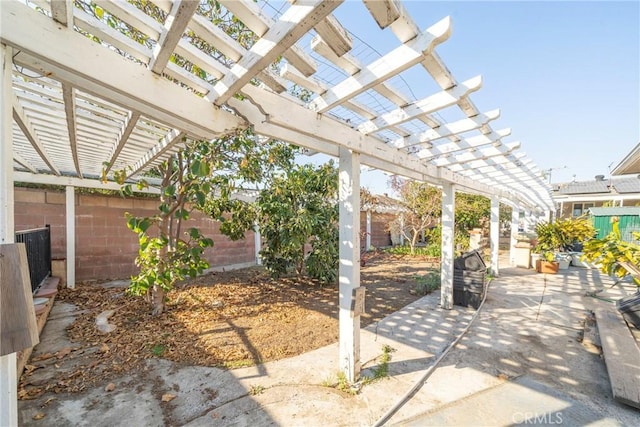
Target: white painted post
[(515, 222), (257, 239), (71, 236), (561, 209), (8, 363), (349, 207), (494, 235), (368, 238), (401, 229), (448, 223)]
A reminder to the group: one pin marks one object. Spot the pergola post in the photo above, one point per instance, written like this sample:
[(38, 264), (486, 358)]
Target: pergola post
[(515, 222), (257, 241), (350, 298), (494, 235), (8, 363), (71, 235), (448, 223), (368, 238)]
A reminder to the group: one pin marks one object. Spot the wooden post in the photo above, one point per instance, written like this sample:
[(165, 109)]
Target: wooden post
[(8, 363), (515, 221), (349, 207), (71, 236), (448, 222), (368, 238), (494, 235), (257, 241)]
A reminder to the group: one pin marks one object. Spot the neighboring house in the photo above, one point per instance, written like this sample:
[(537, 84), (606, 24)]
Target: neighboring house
[(377, 213), (575, 198)]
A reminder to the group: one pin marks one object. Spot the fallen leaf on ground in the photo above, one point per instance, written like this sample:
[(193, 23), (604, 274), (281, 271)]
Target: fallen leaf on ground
[(104, 348), (168, 397), (110, 387), (38, 416), (64, 352)]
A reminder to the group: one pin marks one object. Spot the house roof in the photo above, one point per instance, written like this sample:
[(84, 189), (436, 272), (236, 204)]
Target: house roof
[(78, 101), (615, 211), (615, 185), (630, 164)]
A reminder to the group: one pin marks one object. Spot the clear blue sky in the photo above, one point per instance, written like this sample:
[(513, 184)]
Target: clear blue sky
[(565, 75)]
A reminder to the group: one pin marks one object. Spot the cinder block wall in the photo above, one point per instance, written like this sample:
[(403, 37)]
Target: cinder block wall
[(105, 247)]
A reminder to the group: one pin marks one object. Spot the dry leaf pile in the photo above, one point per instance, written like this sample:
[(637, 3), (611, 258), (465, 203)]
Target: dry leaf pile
[(230, 319)]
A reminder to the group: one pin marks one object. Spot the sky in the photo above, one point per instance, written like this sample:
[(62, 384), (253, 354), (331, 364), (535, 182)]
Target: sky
[(565, 75)]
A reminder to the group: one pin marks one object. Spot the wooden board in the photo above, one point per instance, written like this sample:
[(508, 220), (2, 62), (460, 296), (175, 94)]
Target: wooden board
[(621, 354), (18, 328)]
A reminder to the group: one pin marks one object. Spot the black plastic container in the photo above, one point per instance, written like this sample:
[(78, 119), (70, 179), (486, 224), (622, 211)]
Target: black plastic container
[(469, 279), (630, 309)]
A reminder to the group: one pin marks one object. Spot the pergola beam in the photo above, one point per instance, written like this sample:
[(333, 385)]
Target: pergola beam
[(389, 65), (293, 24), (46, 48), (334, 34), (252, 16), (168, 142), (287, 114), (446, 130), (423, 107), (437, 150), (174, 26), (129, 125), (25, 126), (24, 162), (62, 11), (70, 113)]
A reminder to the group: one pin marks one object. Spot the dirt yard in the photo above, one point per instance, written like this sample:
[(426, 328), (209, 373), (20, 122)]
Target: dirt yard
[(229, 319)]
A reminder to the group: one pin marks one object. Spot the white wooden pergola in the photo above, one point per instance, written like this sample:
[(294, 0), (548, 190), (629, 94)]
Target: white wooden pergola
[(77, 92)]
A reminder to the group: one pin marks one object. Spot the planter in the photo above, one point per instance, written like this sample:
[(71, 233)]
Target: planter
[(563, 261), (549, 267)]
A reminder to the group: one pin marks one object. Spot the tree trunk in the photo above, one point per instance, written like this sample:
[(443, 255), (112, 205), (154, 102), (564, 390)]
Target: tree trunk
[(414, 239), (157, 300)]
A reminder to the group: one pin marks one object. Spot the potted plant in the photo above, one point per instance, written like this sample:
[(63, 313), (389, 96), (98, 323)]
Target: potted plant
[(555, 239), (548, 263)]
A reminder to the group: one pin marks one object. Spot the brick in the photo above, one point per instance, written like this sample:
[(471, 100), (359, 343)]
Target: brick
[(90, 200), (25, 195), (118, 202), (146, 204), (56, 198)]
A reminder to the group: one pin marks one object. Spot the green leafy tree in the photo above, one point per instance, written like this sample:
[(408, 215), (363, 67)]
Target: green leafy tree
[(421, 208), (299, 211), (206, 176), (611, 250)]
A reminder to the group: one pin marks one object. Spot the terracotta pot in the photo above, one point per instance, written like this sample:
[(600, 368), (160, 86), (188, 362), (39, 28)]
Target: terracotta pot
[(549, 267)]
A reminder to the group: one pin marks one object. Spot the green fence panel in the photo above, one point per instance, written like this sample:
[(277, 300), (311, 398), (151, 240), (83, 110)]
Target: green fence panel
[(628, 224)]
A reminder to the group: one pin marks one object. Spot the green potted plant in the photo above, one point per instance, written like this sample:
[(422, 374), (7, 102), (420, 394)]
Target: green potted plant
[(555, 239)]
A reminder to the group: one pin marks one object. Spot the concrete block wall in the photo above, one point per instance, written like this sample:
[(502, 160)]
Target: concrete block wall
[(105, 247)]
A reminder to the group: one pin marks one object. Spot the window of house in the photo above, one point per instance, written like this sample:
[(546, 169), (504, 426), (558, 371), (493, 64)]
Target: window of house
[(581, 208)]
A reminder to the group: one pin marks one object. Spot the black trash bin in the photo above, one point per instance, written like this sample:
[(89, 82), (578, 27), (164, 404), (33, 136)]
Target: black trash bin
[(469, 279), (630, 309)]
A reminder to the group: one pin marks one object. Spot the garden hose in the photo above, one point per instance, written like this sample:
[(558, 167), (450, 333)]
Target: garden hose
[(391, 411)]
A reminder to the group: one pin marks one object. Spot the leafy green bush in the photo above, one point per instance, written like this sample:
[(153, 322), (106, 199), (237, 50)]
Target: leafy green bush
[(428, 283), (432, 250)]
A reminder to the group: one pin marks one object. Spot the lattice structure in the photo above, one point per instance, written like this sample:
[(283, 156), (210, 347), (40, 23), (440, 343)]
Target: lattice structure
[(86, 92)]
